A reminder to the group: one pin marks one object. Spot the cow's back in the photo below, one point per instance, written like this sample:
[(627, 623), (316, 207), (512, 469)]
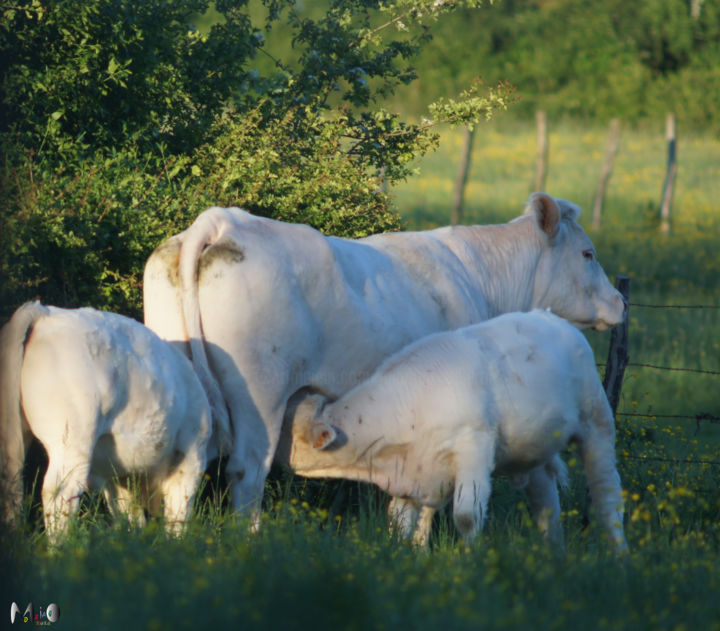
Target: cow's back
[(281, 297)]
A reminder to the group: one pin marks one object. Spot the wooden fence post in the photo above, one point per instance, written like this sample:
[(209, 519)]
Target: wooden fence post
[(542, 151), (695, 8), (612, 149), (383, 188), (462, 176), (618, 353), (665, 205)]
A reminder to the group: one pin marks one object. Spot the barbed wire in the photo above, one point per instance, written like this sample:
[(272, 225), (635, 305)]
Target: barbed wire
[(703, 416), (698, 370), (698, 418), (670, 368), (671, 460), (646, 306)]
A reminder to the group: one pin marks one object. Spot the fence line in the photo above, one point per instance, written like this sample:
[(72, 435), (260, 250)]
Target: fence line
[(636, 304), (618, 354), (672, 460), (703, 416), (670, 368)]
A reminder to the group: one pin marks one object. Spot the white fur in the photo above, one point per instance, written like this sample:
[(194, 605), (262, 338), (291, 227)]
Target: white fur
[(438, 418), (278, 306), (106, 397)]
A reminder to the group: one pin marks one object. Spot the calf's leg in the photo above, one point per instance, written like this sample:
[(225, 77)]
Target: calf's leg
[(179, 487), (402, 516), (597, 450), (421, 537), (64, 483), (541, 492), (473, 470)]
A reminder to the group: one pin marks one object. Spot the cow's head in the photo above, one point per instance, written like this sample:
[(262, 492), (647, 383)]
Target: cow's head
[(569, 280)]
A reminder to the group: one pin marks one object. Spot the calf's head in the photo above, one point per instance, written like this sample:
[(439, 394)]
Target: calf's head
[(568, 279), (308, 427)]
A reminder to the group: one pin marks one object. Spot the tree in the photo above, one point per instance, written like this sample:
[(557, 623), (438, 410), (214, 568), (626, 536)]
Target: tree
[(120, 123)]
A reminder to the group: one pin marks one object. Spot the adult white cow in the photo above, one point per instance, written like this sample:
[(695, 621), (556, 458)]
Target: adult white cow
[(279, 306), (439, 417), (107, 399)]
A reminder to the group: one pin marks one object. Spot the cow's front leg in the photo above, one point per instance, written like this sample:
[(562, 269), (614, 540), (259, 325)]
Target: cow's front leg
[(246, 479)]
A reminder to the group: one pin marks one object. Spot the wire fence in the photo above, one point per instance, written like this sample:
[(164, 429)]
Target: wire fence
[(637, 304), (698, 418)]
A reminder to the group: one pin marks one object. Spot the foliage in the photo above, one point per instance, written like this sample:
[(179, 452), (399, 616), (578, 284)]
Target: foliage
[(120, 123), (589, 60)]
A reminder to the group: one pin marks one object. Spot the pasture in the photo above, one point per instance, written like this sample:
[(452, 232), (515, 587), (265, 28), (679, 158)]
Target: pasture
[(324, 558)]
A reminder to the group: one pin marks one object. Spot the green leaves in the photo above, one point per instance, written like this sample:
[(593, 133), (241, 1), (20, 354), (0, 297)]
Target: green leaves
[(472, 107), (121, 123)]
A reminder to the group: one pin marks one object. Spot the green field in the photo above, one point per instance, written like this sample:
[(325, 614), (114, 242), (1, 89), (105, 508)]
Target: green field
[(324, 558)]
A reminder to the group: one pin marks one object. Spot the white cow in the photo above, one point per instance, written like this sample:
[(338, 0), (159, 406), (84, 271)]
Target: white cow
[(279, 306), (439, 417), (107, 399)]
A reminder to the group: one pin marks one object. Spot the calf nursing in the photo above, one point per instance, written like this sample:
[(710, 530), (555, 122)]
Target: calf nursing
[(107, 399), (438, 418)]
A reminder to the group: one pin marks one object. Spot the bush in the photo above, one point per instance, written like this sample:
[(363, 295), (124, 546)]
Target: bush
[(121, 123)]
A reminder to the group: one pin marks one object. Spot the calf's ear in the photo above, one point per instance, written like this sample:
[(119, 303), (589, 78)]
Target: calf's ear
[(546, 212), (322, 435)]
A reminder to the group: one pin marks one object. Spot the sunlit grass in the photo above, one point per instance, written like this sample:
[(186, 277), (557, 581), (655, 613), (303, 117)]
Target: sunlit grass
[(311, 568)]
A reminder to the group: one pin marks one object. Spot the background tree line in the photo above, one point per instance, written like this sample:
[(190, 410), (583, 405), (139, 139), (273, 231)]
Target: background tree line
[(596, 59)]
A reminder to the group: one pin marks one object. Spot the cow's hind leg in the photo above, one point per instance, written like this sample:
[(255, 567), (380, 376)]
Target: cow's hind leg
[(474, 466), (256, 436)]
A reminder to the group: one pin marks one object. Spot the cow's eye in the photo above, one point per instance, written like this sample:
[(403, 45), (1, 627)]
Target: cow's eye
[(589, 254)]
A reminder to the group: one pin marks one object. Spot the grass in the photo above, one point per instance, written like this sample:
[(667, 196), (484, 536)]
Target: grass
[(324, 557), (311, 568)]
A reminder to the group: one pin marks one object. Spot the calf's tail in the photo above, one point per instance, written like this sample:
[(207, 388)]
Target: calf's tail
[(207, 229), (558, 468), (13, 426)]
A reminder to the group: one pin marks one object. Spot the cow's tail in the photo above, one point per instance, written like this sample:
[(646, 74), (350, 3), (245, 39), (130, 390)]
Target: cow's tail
[(204, 232), (13, 426)]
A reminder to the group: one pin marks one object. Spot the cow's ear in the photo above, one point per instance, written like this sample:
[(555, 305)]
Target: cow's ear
[(322, 435), (546, 212), (568, 210)]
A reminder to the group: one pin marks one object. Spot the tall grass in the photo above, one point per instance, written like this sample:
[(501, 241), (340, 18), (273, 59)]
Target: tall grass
[(310, 568)]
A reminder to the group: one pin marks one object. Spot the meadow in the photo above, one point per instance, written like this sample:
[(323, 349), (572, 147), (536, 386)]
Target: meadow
[(324, 557)]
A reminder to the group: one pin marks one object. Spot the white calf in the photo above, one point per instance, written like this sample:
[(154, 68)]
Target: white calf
[(107, 399), (443, 414)]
